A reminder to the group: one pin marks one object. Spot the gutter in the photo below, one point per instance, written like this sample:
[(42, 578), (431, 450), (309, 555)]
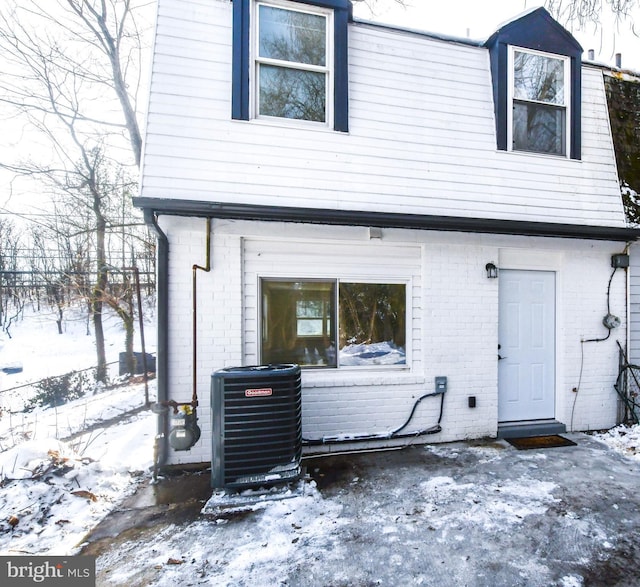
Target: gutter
[(235, 211), (162, 363)]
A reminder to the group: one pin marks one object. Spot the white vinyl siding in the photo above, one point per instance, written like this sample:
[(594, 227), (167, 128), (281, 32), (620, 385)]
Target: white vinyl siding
[(421, 141)]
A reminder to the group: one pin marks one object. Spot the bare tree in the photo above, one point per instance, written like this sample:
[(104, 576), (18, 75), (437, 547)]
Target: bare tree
[(46, 268), (581, 13), (584, 13), (71, 70), (112, 29), (77, 61), (9, 251), (60, 258), (373, 4), (93, 186)]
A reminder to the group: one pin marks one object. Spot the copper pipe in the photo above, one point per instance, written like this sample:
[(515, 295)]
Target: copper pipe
[(207, 268)]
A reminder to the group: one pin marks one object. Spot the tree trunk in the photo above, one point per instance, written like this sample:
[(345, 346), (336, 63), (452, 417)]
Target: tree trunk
[(96, 19), (98, 292), (59, 320), (128, 322)]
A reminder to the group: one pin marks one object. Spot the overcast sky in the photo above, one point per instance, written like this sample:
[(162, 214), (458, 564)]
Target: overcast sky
[(478, 19)]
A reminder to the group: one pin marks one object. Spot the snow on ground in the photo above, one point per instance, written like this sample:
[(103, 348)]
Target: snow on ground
[(53, 492), (34, 343), (624, 439), (500, 523), (227, 554)]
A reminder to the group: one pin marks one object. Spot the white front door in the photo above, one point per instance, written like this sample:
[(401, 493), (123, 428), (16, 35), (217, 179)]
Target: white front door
[(526, 353)]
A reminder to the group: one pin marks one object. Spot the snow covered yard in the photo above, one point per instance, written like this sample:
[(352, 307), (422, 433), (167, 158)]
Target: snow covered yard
[(52, 492), (63, 469)]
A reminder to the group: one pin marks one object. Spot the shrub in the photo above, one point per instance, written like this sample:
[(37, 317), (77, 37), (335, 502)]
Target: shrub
[(55, 391)]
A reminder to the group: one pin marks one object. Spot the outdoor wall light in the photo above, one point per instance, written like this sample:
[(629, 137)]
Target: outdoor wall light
[(492, 270)]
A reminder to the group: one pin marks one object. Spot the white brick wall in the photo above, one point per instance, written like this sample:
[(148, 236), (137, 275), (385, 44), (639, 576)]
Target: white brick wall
[(219, 318), (586, 278), (454, 322)]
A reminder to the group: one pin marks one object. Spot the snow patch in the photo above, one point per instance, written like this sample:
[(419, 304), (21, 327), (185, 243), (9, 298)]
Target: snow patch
[(624, 439)]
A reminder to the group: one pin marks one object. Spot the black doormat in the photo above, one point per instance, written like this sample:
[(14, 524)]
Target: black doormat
[(550, 441)]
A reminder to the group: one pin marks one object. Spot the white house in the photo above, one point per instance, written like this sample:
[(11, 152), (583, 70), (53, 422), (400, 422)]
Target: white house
[(358, 187)]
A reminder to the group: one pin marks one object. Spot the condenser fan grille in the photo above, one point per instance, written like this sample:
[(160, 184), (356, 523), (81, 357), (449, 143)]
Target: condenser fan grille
[(257, 430)]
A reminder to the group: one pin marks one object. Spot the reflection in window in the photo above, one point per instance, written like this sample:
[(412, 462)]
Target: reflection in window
[(299, 323), (372, 324), (290, 93), (298, 319), (292, 36), (291, 64), (313, 317), (539, 103)]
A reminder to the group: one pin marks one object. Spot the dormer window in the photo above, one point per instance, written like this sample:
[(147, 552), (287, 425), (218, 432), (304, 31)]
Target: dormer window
[(536, 70), (290, 61), (539, 102), (292, 57)]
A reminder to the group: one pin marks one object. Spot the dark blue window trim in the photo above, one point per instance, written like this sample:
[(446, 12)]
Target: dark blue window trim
[(535, 30), (242, 59)]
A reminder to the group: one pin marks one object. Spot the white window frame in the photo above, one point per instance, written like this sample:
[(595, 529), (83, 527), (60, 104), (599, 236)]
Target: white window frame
[(408, 285), (566, 105), (256, 61)]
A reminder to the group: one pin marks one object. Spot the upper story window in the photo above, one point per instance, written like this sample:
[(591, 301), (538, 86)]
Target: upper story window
[(539, 102), (292, 74), (290, 61), (536, 70)]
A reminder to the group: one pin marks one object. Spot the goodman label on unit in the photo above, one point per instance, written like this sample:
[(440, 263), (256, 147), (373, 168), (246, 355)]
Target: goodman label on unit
[(263, 392)]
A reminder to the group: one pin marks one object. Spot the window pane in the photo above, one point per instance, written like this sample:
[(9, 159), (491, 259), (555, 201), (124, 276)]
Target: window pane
[(372, 324), (538, 78), (298, 320), (293, 36), (311, 317), (538, 128), (309, 327), (292, 93)]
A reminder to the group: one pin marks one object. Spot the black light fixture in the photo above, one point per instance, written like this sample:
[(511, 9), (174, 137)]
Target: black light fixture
[(492, 270)]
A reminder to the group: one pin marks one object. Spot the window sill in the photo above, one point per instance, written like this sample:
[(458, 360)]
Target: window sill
[(360, 377), (544, 156), (297, 125)]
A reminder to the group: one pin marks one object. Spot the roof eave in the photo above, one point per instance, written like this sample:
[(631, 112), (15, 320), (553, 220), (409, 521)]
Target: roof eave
[(224, 210)]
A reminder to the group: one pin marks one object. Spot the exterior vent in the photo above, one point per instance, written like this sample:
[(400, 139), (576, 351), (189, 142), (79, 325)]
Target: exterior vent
[(257, 426)]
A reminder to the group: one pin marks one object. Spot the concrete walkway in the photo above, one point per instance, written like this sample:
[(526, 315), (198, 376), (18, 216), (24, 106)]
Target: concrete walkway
[(487, 514)]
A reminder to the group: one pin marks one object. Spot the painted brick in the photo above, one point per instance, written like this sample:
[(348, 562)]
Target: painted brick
[(453, 321)]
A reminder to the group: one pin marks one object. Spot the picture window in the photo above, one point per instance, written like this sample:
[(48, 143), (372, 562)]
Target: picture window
[(333, 323)]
